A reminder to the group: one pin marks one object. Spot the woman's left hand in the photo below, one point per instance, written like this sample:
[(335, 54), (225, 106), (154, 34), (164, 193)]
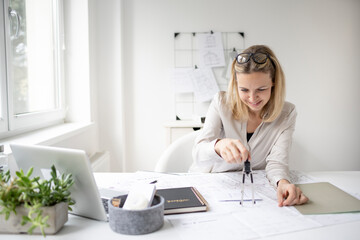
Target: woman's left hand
[(288, 194)]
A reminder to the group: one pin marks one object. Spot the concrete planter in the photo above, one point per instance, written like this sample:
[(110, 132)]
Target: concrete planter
[(136, 222), (58, 217)]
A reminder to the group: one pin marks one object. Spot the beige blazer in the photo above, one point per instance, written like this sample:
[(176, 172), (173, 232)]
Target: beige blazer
[(269, 146)]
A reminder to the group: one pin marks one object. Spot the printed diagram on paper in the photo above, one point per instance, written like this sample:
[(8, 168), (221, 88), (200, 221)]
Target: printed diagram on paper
[(245, 221)]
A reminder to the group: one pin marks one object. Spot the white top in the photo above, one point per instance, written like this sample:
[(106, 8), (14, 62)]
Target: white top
[(183, 124), (84, 228), (269, 146)]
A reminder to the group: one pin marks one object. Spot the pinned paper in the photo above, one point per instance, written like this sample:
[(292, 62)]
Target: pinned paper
[(182, 80), (211, 50), (205, 86)]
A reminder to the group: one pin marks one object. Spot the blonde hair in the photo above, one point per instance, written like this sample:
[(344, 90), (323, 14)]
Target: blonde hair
[(272, 66)]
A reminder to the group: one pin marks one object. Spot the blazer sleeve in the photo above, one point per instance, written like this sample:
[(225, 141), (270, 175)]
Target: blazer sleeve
[(277, 166), (204, 154)]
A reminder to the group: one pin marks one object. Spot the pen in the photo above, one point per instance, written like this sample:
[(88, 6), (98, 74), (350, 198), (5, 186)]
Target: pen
[(153, 182), (245, 200)]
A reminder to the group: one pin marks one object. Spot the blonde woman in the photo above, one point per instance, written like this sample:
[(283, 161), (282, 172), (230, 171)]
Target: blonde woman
[(251, 121)]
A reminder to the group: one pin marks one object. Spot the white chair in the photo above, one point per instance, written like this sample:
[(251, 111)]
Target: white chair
[(178, 156)]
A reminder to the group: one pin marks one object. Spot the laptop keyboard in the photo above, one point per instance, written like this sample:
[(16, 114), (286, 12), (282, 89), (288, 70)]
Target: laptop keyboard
[(105, 202), (107, 194)]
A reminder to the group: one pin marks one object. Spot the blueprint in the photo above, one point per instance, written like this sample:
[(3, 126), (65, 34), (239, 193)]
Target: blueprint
[(222, 192)]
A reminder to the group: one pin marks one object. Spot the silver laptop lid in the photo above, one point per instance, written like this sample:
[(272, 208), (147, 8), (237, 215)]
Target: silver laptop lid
[(84, 191)]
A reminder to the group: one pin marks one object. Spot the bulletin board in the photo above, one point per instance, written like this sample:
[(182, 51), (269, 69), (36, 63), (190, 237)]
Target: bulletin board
[(186, 55)]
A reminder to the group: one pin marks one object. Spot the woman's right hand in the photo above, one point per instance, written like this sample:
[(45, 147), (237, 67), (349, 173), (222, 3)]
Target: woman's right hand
[(232, 150)]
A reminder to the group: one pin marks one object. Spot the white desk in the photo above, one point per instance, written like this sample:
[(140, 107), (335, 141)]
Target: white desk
[(81, 228)]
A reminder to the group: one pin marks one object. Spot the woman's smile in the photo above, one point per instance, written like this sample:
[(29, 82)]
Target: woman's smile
[(254, 89)]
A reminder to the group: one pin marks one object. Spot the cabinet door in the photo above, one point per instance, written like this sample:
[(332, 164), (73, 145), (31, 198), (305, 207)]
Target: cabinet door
[(179, 132)]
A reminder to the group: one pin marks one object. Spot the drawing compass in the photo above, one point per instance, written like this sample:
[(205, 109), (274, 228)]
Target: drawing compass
[(247, 171)]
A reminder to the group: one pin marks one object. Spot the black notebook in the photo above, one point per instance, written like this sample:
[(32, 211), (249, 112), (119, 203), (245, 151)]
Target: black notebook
[(182, 200)]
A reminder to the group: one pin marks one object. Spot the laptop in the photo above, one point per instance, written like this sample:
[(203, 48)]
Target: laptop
[(84, 191)]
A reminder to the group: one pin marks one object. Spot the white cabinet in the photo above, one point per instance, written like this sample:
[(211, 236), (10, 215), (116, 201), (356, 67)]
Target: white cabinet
[(176, 129)]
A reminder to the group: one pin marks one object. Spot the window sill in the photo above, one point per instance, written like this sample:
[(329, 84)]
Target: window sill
[(47, 136)]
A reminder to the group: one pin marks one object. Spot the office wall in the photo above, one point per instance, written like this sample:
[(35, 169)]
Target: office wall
[(316, 42), (106, 78)]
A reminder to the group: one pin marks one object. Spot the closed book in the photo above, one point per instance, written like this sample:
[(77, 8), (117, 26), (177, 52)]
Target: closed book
[(182, 200)]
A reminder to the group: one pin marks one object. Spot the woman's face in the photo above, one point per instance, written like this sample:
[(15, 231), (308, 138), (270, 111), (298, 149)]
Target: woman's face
[(254, 89)]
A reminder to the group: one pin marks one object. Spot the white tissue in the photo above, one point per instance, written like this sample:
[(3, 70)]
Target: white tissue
[(135, 201), (140, 197)]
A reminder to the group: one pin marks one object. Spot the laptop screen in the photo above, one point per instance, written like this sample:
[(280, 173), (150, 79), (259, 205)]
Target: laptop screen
[(84, 191)]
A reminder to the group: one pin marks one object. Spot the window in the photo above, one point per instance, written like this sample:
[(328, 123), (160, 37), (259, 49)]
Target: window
[(31, 82)]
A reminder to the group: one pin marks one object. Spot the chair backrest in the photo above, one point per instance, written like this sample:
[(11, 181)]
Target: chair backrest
[(178, 156)]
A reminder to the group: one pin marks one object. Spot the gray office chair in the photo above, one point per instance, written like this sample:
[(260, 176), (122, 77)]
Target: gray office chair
[(178, 156)]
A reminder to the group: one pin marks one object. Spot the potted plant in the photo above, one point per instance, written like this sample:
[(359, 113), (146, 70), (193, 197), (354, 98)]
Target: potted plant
[(34, 205)]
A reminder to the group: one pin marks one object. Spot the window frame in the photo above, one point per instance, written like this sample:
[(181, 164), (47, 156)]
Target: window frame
[(14, 124), (3, 82)]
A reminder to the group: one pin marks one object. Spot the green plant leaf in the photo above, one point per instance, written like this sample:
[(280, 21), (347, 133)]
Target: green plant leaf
[(31, 229), (25, 219), (18, 174), (30, 172), (33, 193)]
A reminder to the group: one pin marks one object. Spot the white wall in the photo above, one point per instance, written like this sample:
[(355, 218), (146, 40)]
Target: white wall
[(315, 40), (106, 74)]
